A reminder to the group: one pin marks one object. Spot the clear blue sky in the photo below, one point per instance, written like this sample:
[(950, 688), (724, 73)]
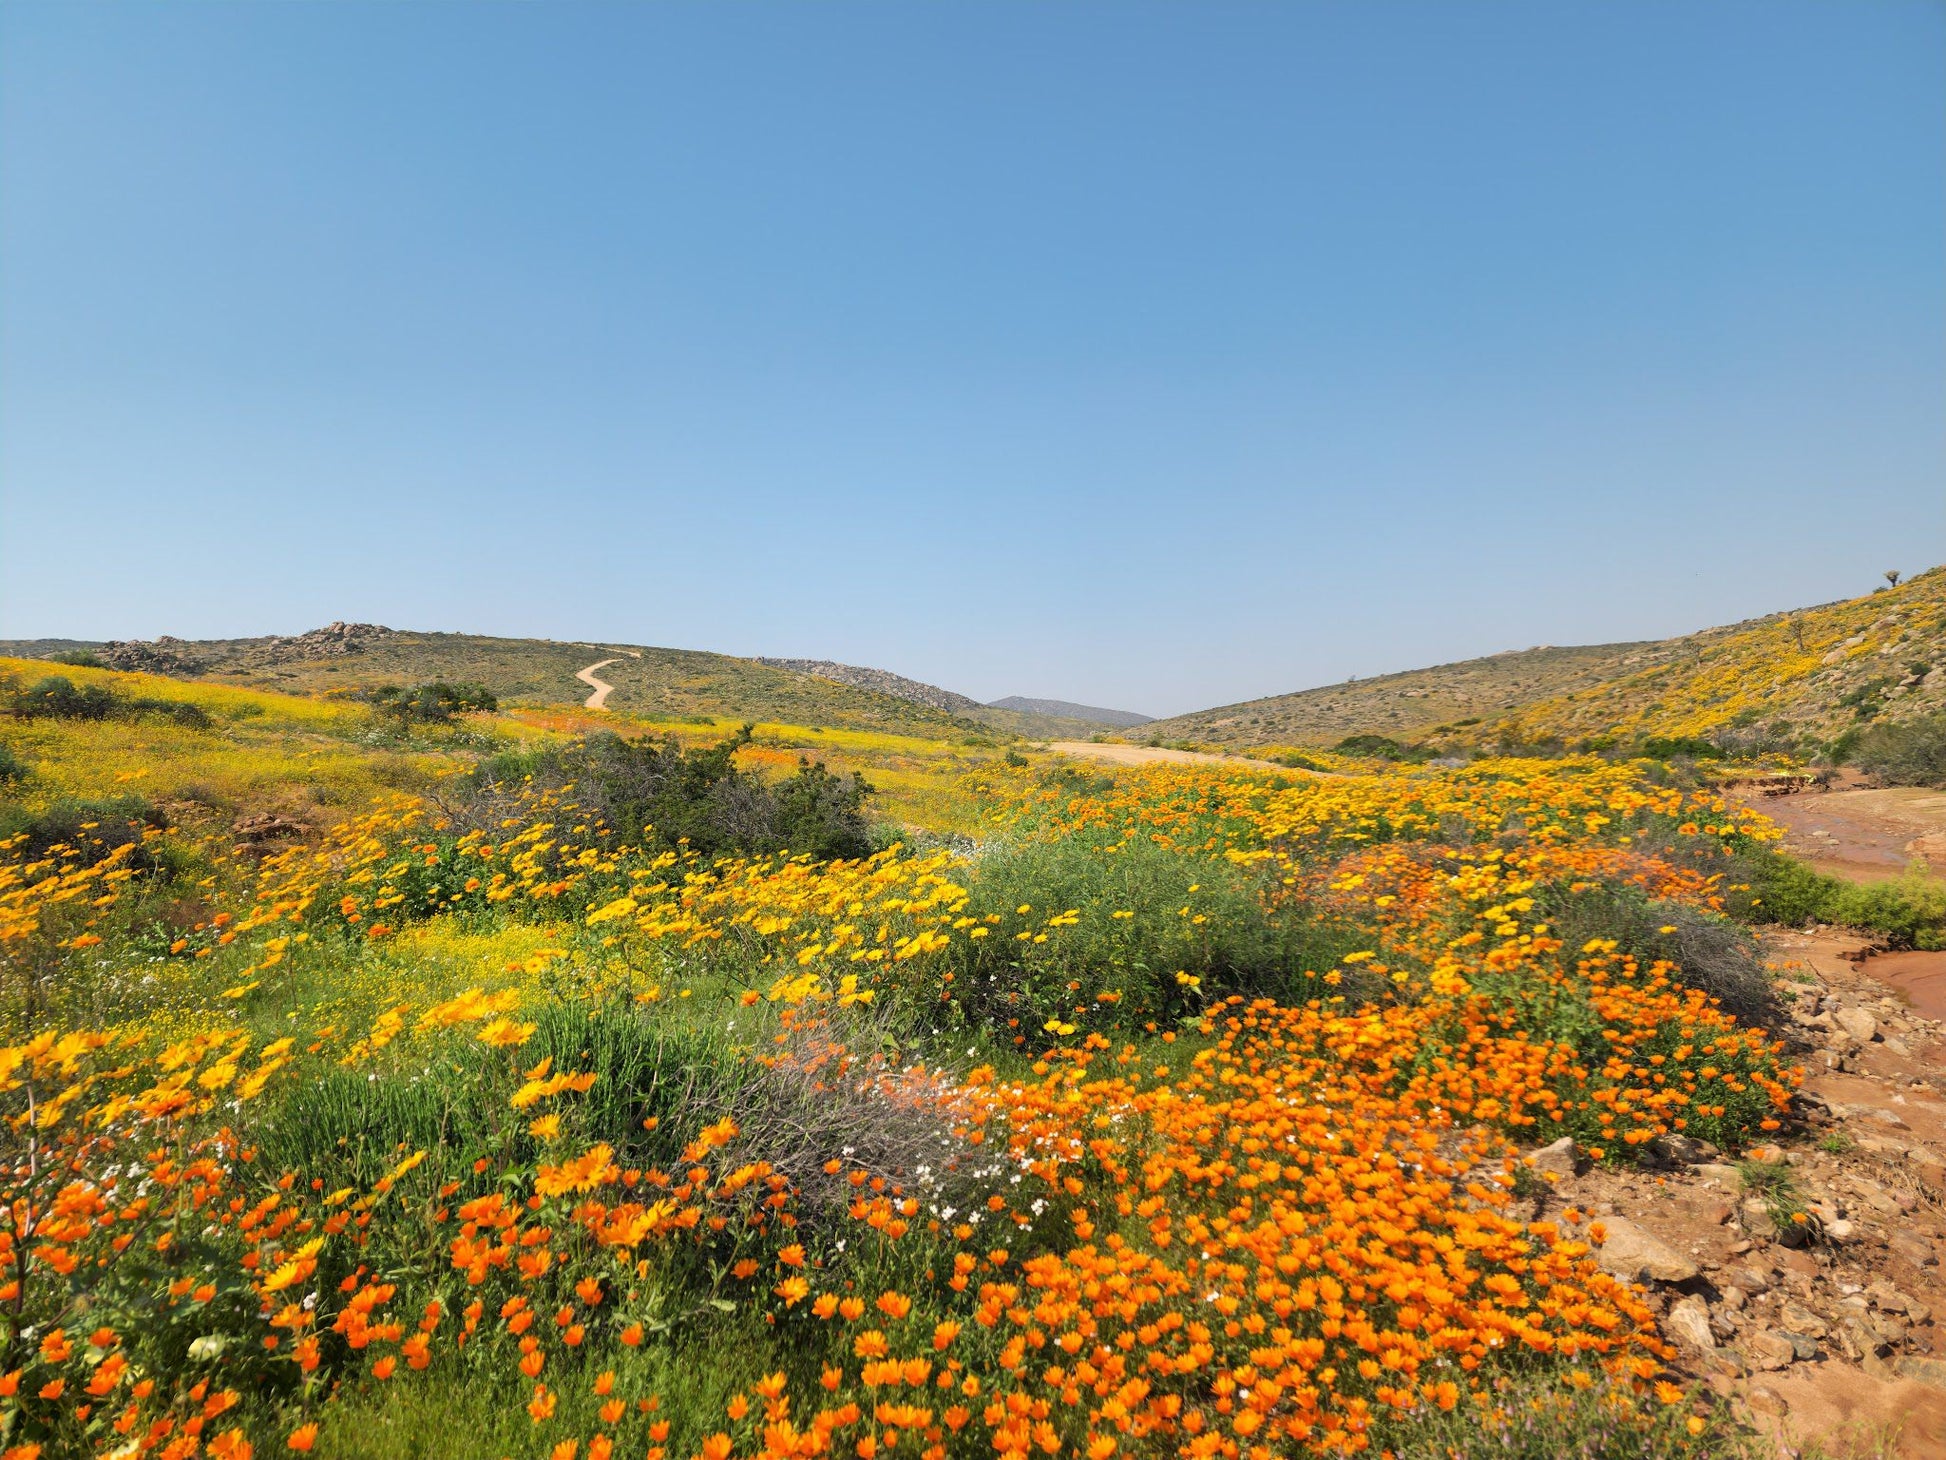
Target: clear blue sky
[(1147, 355)]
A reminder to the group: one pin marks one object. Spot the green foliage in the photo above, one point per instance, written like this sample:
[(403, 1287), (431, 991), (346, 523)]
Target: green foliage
[(1909, 754), (1669, 747), (1383, 747), (1910, 910), (1709, 953), (669, 796), (93, 828), (1867, 699), (12, 767), (1535, 1417), (1208, 921), (431, 704), (58, 698)]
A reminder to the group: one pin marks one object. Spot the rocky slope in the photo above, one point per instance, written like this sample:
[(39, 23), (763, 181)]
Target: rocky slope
[(1826, 1329)]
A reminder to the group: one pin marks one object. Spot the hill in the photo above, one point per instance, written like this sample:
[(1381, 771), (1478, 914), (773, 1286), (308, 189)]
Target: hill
[(1409, 704), (1812, 671), (344, 659), (1067, 710), (881, 680)]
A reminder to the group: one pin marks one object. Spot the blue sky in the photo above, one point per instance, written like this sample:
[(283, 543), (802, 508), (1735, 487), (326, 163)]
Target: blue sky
[(1147, 355)]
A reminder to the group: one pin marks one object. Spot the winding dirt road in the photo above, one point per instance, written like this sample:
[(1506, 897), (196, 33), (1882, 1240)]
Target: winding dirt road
[(598, 689)]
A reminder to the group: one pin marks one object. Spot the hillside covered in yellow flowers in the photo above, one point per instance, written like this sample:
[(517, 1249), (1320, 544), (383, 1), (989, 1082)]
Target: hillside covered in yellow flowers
[(1811, 669)]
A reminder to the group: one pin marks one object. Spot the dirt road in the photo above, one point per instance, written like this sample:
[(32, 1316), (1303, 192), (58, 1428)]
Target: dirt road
[(598, 689), (1860, 834), (1154, 755)]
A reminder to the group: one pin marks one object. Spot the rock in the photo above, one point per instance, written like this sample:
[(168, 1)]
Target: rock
[(1921, 1370), (1689, 1322), (1799, 1319), (1674, 1146), (1841, 1231), (1802, 1344), (1926, 1159), (1882, 1147), (1914, 1248), (1725, 1176), (1770, 1351), (1857, 1023), (1628, 1251), (1752, 1279), (1762, 1399), (1555, 1160), (1734, 1298)]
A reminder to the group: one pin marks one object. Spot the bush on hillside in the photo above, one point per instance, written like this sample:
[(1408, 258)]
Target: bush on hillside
[(1383, 747), (1201, 920), (93, 828), (1909, 754), (1673, 747), (58, 698), (1710, 953), (431, 704), (669, 796), (1909, 911)]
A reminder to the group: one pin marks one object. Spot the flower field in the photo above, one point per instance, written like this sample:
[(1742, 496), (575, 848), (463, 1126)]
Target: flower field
[(1167, 1111)]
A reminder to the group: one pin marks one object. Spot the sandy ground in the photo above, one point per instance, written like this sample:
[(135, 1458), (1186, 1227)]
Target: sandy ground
[(1860, 834), (1154, 755), (598, 689)]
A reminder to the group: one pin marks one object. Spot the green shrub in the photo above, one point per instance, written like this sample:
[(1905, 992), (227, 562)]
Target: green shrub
[(430, 704), (1909, 910), (1205, 920), (1668, 747), (93, 828), (12, 767), (1710, 953), (1383, 747), (59, 698), (1909, 754), (658, 793)]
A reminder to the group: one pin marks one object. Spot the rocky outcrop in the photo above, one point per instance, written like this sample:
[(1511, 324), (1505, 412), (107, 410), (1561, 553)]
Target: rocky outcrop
[(881, 680)]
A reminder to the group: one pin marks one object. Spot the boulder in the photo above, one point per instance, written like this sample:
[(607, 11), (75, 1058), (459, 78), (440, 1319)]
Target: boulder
[(1689, 1322), (1860, 1025), (1636, 1255), (1557, 1159), (1769, 1351)]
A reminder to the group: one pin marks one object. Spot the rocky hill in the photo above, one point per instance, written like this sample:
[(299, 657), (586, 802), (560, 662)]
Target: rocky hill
[(1068, 710), (1812, 671), (883, 681)]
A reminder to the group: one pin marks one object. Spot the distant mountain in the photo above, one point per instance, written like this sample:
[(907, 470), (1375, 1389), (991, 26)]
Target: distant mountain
[(882, 680), (1067, 710)]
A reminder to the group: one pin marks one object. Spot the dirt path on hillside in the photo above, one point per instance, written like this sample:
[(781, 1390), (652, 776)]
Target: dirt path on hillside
[(1857, 833), (598, 689), (1154, 755)]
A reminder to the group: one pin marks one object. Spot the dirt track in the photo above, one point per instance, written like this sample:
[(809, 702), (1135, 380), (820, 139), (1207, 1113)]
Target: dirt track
[(1860, 834), (598, 689), (1154, 755)]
